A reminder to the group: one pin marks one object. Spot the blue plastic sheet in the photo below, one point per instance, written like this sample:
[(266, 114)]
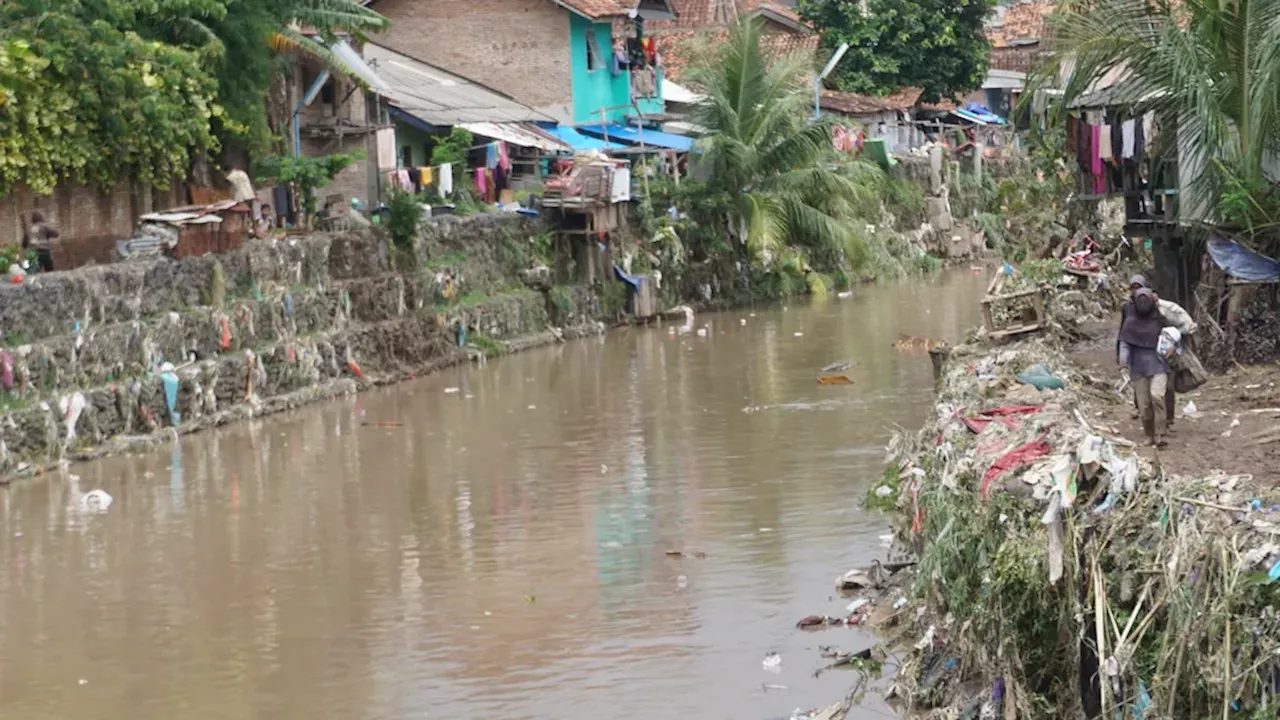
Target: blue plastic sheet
[(632, 280), (1242, 263), (170, 381)]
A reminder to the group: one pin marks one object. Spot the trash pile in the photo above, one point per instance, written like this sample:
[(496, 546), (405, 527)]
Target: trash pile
[(1061, 573)]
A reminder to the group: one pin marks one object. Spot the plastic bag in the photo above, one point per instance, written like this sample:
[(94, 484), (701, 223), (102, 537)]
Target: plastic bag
[(1188, 372)]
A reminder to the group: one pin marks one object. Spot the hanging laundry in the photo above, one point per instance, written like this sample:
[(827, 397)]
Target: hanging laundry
[(405, 183), (491, 155), (479, 180), (446, 179), (6, 369), (650, 48), (504, 160), (1127, 138), (1095, 160), (1104, 145), (424, 176), (1117, 142)]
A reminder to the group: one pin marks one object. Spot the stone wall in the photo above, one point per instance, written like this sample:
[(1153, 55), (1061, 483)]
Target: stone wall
[(263, 328)]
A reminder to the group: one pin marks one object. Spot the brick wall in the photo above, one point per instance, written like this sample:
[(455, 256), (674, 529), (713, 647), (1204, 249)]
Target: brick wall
[(517, 47), (90, 219)]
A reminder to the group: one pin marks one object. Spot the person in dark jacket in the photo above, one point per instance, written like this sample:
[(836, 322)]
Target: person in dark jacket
[(39, 236), (1138, 338)]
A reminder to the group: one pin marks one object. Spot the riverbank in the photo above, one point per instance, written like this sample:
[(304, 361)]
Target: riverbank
[(1050, 551), (126, 356)]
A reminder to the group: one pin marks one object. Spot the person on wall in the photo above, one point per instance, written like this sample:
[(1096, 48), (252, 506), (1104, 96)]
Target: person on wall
[(1139, 338), (39, 236)]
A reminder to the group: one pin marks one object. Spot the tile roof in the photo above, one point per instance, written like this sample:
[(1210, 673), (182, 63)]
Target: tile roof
[(848, 103), (597, 9), (701, 14), (675, 47), (1022, 22)]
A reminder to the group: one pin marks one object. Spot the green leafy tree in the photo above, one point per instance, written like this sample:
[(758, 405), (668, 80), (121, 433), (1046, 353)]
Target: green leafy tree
[(937, 45), (83, 95), (304, 175), (765, 162), (1209, 69)]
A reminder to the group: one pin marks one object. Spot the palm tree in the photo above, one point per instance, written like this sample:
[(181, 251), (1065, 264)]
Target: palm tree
[(1209, 68), (760, 151)]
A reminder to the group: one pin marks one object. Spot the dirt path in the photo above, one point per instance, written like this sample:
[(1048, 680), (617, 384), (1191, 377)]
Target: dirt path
[(1223, 433)]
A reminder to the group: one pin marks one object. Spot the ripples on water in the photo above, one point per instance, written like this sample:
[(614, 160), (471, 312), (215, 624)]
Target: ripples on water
[(494, 552)]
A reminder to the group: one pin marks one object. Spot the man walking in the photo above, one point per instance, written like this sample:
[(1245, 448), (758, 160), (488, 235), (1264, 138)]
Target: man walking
[(1138, 339)]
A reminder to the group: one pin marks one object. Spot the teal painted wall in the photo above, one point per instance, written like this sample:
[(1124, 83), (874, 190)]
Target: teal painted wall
[(598, 88), (416, 140)]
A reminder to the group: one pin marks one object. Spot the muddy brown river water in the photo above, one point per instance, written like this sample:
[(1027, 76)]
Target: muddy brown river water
[(498, 551)]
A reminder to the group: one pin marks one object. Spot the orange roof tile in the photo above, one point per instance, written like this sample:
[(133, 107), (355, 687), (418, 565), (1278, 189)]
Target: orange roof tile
[(596, 9), (676, 47), (1024, 21), (854, 104)]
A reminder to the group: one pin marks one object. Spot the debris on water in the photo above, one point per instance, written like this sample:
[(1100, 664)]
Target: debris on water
[(382, 424), (695, 554), (83, 681), (900, 603), (96, 501), (702, 332), (835, 380), (844, 294), (604, 469), (533, 407), (871, 578), (742, 321), (837, 367), (773, 663), (857, 605), (766, 530), (682, 582), (884, 491), (767, 687), (451, 390)]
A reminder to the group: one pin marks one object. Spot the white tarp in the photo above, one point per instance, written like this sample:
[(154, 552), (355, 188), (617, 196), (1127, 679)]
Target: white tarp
[(520, 134), (675, 93), (359, 67)]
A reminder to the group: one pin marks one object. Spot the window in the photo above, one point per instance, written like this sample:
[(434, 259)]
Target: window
[(595, 60), (406, 156)]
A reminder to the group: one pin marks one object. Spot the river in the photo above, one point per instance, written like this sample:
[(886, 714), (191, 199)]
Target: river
[(489, 541)]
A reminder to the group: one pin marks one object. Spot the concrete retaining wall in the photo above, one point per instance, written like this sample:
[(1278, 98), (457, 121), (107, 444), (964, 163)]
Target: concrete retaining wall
[(267, 327)]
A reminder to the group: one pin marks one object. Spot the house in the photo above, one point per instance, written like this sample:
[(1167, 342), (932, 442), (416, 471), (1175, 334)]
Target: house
[(879, 117), (702, 24), (338, 112), (554, 56), (1019, 35), (426, 102)]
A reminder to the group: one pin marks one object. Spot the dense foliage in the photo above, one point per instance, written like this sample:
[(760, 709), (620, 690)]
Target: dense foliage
[(97, 91), (937, 45)]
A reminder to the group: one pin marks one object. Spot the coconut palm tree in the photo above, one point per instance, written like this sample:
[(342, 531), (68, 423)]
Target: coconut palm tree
[(1209, 68), (760, 151)]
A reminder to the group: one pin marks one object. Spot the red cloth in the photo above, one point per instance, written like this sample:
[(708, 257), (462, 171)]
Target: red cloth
[(1011, 410), (1018, 457)]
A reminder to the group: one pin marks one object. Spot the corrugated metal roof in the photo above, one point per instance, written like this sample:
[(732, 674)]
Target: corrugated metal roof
[(441, 98)]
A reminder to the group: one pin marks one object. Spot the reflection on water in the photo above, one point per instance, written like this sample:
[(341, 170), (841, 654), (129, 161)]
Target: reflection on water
[(499, 551)]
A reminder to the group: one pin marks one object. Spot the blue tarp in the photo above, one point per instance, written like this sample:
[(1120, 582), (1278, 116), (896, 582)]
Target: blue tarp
[(634, 136), (632, 280), (577, 140), (1242, 263)]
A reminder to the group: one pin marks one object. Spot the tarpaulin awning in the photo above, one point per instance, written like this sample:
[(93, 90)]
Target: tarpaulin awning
[(673, 92), (1242, 263), (578, 141), (522, 134), (637, 136), (358, 67)]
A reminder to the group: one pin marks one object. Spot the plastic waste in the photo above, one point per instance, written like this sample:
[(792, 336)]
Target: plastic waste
[(96, 501), (1041, 377), (71, 407), (1274, 573), (1190, 408), (1170, 339), (773, 663)]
